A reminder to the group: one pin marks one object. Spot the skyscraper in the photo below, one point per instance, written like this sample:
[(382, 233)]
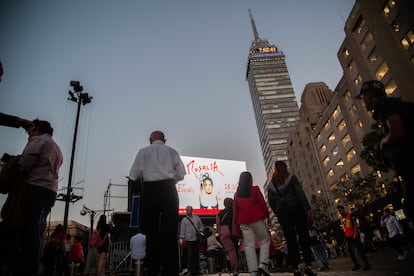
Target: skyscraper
[(273, 98)]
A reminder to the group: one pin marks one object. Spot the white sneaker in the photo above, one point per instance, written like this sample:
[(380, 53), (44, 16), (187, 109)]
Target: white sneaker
[(185, 271)]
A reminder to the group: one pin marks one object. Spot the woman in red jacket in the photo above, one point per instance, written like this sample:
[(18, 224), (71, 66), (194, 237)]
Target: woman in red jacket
[(250, 214)]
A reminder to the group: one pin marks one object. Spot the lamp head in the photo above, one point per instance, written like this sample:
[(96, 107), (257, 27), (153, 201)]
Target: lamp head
[(83, 211)]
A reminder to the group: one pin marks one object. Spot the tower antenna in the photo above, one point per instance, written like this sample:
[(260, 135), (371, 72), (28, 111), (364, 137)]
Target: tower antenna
[(256, 35)]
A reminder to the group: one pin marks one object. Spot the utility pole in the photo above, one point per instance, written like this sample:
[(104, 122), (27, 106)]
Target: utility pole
[(78, 97)]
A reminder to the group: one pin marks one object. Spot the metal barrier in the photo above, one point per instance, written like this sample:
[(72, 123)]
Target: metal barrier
[(118, 259)]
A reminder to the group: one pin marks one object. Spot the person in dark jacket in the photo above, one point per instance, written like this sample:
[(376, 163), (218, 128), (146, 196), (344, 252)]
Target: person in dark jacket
[(397, 119), (288, 201)]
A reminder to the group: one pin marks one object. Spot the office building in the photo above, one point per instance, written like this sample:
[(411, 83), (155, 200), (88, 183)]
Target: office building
[(274, 103), (378, 45)]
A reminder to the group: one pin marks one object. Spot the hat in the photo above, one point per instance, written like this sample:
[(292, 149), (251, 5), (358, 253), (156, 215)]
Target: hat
[(372, 85)]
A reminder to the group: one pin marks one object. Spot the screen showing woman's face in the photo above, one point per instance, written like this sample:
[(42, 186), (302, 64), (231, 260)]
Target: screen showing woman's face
[(208, 186)]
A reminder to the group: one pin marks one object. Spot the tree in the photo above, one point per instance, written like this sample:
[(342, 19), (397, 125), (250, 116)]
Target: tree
[(359, 191), (372, 154), (321, 207)]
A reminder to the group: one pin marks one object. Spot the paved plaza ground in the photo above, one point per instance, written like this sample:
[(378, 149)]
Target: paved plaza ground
[(383, 264)]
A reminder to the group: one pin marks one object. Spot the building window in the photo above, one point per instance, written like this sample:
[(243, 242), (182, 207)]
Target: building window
[(347, 95), (351, 66), (331, 137), (330, 173), (367, 39), (390, 88), (336, 112), (326, 161), (382, 70), (323, 149), (373, 56), (396, 26), (410, 36), (407, 40), (344, 178), (357, 80), (346, 139), (335, 151), (341, 125), (388, 7), (350, 154), (404, 43), (356, 169), (346, 53), (359, 25), (319, 137), (339, 164), (327, 125)]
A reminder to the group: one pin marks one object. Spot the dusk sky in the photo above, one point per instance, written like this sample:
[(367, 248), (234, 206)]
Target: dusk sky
[(176, 66)]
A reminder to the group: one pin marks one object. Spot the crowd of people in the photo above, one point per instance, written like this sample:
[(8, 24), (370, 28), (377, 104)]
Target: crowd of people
[(243, 221)]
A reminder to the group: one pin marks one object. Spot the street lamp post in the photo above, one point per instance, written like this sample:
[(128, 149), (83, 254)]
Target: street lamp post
[(80, 98)]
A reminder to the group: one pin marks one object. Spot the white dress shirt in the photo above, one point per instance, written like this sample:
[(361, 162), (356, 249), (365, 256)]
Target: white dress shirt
[(157, 162)]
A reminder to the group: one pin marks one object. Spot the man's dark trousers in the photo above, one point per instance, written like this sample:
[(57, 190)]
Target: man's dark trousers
[(160, 224)]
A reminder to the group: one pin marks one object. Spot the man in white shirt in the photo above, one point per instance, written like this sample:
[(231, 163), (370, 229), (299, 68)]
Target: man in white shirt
[(395, 232), (159, 167), (191, 226)]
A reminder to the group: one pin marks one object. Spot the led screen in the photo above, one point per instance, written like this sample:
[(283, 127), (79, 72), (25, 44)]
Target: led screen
[(207, 183)]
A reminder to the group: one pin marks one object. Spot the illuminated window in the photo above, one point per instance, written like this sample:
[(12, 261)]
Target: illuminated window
[(390, 88), (347, 94), (410, 36), (396, 26), (407, 40), (327, 125), (359, 26), (330, 173), (356, 169), (323, 149), (351, 65), (388, 7), (332, 137), (386, 11), (344, 178), (346, 139), (373, 56), (350, 154), (382, 70), (341, 125), (326, 161), (319, 137), (339, 164), (358, 124), (336, 112), (357, 80), (346, 53), (335, 151), (404, 43)]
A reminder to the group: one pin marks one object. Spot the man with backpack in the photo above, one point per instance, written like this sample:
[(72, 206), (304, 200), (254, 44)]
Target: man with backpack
[(397, 119)]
